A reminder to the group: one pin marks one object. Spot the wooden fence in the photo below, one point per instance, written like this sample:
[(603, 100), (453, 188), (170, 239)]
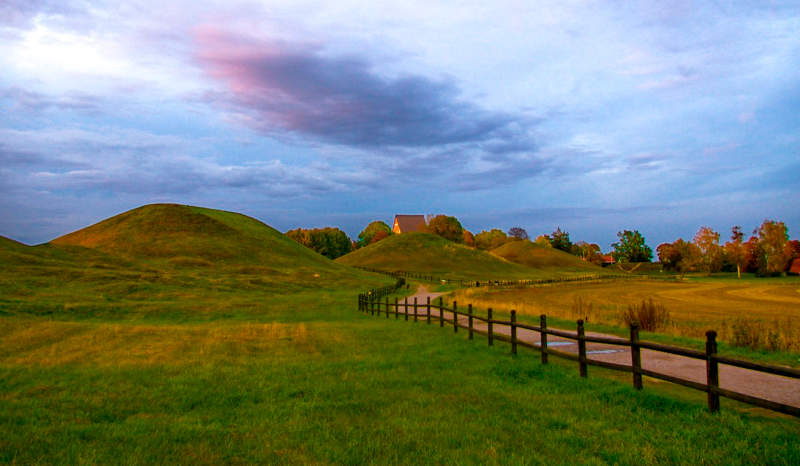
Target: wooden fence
[(368, 304), (464, 283)]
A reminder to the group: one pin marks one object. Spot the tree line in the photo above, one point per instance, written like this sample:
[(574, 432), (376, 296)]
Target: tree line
[(768, 251)]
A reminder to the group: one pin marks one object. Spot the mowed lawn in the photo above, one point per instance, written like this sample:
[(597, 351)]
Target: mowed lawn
[(336, 386), (724, 303)]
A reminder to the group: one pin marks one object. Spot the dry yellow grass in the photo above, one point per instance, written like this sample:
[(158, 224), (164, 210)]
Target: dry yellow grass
[(48, 343), (770, 308)]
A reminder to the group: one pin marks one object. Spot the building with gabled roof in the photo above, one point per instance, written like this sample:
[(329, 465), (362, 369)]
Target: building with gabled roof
[(408, 224)]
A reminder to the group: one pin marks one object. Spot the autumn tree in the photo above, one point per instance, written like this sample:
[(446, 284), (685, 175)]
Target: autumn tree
[(631, 247), (375, 229), (588, 252), (469, 239), (772, 237), (517, 233), (734, 249), (492, 239), (707, 241), (447, 227), (560, 240), (543, 240)]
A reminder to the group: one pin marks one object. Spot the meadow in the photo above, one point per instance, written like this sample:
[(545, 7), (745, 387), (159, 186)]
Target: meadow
[(108, 359), (758, 313)]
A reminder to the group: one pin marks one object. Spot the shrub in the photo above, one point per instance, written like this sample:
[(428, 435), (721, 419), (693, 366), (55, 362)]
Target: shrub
[(650, 315)]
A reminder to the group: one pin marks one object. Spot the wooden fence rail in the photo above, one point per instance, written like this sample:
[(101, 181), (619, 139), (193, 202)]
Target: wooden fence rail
[(371, 303)]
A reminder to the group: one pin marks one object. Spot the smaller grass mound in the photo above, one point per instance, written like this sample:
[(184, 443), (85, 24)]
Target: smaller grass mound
[(540, 257), (427, 253)]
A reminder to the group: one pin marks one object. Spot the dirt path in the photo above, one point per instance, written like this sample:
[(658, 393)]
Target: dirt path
[(771, 387)]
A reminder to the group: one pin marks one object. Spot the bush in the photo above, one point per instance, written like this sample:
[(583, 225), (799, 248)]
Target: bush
[(650, 315)]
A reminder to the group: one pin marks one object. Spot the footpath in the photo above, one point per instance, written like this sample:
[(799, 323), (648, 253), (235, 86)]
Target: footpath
[(771, 387)]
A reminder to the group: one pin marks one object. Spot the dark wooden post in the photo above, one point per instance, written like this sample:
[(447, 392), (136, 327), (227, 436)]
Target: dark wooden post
[(372, 304), (469, 311), (455, 317), (441, 312), (405, 308), (636, 357), (543, 337), (387, 307), (415, 308), (712, 371), (428, 307), (581, 348), (396, 308), (514, 332), (490, 324)]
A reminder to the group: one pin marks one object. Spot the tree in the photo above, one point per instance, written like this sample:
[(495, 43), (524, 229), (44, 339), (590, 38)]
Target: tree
[(543, 240), (734, 249), (772, 237), (368, 234), (330, 242), (447, 227), (707, 241), (631, 247), (469, 239), (668, 256), (689, 254), (492, 239), (560, 240), (588, 252), (518, 233)]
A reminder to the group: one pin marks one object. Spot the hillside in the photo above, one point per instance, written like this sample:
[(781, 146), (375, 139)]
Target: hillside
[(427, 253), (193, 235), (539, 257)]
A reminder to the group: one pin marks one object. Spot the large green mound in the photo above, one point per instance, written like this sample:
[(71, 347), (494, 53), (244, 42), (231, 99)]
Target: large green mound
[(192, 235), (427, 253), (541, 257)]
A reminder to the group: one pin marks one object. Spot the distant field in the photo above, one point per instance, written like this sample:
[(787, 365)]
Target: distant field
[(725, 304), (152, 358)]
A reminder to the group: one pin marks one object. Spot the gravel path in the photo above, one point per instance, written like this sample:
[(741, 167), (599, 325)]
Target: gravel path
[(771, 387)]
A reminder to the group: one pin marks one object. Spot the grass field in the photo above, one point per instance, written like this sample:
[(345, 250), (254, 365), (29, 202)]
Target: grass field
[(767, 310), (111, 359), (431, 254)]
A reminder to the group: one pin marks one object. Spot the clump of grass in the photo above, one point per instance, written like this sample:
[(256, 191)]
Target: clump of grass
[(650, 315), (759, 334), (581, 309)]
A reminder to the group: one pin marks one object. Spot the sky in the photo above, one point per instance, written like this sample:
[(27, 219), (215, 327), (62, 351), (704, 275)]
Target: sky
[(591, 116)]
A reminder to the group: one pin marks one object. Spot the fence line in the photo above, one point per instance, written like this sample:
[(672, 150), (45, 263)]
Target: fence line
[(509, 283), (367, 303)]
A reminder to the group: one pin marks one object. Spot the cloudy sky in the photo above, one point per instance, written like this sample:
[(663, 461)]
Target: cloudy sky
[(590, 116)]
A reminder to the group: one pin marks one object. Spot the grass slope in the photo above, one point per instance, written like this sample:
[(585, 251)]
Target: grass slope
[(540, 257), (192, 234), (427, 253), (168, 262)]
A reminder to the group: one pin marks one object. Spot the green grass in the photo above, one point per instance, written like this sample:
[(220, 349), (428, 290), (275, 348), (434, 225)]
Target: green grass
[(431, 254), (141, 360), (541, 257)]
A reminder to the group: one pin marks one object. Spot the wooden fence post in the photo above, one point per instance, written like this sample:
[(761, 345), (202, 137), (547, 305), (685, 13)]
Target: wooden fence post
[(387, 307), (712, 371), (469, 311), (396, 308), (490, 323), (455, 317), (441, 312), (405, 308), (636, 357), (372, 304), (581, 348), (428, 312), (514, 332), (415, 308), (543, 337)]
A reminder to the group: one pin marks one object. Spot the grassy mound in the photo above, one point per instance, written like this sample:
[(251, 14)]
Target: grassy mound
[(427, 253), (193, 236), (541, 257)]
